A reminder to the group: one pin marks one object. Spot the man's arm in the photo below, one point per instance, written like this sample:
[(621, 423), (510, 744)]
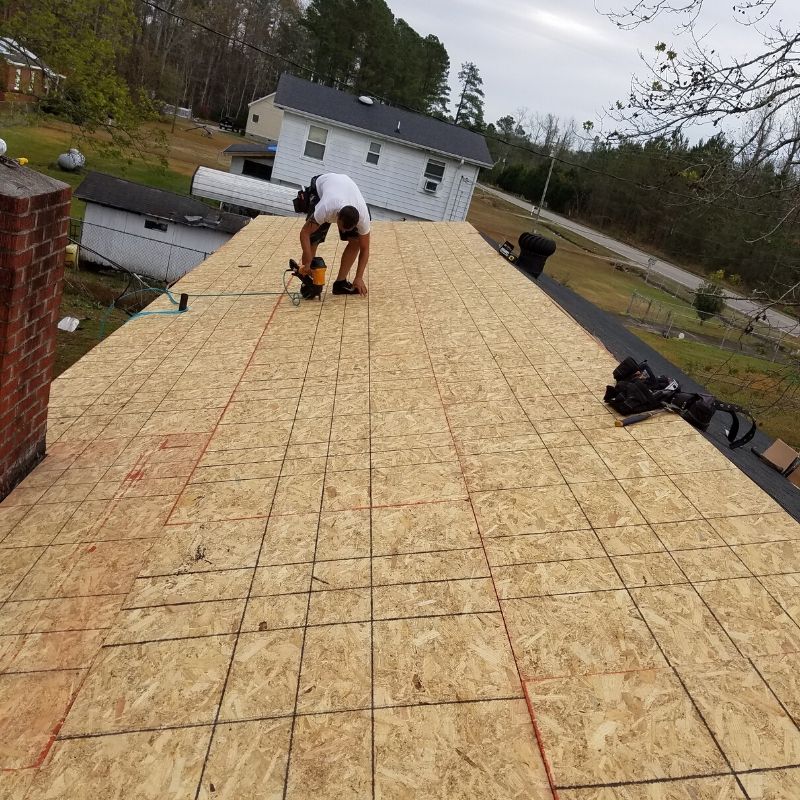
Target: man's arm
[(363, 258), (305, 240)]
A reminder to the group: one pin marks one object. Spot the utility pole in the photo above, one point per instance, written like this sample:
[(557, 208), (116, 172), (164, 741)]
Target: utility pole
[(651, 264), (544, 194)]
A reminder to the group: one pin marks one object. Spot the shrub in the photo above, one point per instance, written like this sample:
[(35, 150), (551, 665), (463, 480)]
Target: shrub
[(708, 301)]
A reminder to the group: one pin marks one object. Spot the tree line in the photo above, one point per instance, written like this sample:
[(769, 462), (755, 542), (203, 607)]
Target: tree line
[(666, 193), (126, 57)]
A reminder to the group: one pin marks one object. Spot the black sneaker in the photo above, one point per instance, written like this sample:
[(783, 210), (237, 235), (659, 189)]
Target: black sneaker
[(344, 287)]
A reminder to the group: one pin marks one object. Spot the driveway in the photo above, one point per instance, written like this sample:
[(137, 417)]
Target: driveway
[(779, 321)]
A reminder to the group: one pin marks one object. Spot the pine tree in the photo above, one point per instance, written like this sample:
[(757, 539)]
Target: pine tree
[(470, 105), (436, 68)]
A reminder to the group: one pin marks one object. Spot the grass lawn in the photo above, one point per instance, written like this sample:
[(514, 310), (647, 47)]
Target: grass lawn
[(44, 140)]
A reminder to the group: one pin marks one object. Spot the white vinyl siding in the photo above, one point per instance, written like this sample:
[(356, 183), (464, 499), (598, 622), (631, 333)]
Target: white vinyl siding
[(315, 143), (392, 189), (374, 153), (264, 120), (124, 237)]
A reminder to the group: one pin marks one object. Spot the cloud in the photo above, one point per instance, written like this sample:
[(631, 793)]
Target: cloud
[(569, 28), (565, 57)]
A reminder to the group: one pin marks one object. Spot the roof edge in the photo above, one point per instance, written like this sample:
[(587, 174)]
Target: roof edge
[(265, 97)]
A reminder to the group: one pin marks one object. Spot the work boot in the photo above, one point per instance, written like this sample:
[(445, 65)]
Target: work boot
[(344, 287)]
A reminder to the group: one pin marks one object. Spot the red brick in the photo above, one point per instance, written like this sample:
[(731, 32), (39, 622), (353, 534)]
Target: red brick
[(32, 241), (16, 206), (15, 241)]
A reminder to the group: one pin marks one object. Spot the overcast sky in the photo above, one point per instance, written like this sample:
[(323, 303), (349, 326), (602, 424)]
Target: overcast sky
[(560, 56)]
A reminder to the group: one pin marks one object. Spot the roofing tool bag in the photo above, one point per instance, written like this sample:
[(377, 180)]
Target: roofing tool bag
[(639, 389), (302, 203)]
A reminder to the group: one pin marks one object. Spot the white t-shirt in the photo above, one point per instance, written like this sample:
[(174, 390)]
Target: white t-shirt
[(335, 192)]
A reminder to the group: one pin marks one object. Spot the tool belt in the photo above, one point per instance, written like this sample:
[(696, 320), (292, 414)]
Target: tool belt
[(306, 198), (639, 389)]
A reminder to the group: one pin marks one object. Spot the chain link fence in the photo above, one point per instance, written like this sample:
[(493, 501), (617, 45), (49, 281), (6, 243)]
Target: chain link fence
[(153, 258), (723, 331)]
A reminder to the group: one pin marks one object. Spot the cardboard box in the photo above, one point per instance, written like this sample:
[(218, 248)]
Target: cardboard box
[(780, 456)]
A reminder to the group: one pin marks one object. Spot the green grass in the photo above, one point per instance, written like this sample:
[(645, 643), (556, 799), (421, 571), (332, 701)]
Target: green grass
[(43, 145), (770, 391), (587, 268), (42, 140)]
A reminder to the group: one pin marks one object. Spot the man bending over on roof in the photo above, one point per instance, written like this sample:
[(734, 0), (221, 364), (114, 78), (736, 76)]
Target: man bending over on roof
[(336, 199)]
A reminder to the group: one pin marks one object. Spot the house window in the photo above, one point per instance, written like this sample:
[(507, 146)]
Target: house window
[(315, 144), (374, 154), (433, 176), (255, 117), (17, 79), (155, 225)]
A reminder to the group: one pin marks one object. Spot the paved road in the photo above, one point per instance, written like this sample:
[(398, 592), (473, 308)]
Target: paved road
[(777, 320)]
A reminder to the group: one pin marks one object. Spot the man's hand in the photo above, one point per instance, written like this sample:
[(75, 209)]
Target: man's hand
[(359, 284)]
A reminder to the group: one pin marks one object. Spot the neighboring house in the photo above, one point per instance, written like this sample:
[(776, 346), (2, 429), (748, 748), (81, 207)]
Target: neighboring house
[(252, 158), (149, 231), (23, 77), (263, 119), (407, 165)]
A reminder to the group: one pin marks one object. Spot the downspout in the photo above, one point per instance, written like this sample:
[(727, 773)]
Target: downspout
[(448, 215)]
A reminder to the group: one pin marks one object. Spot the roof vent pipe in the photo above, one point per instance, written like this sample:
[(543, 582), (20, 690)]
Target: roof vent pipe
[(397, 129)]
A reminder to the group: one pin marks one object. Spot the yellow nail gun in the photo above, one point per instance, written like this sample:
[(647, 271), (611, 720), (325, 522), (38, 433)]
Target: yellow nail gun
[(312, 277)]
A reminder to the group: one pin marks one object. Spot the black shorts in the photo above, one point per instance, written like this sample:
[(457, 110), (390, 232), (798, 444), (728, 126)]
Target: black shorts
[(319, 235)]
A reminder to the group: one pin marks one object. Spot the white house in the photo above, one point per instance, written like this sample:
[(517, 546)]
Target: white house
[(263, 119), (407, 165), (149, 231)]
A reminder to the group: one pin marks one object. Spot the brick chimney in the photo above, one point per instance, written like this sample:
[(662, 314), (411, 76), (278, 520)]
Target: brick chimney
[(34, 216)]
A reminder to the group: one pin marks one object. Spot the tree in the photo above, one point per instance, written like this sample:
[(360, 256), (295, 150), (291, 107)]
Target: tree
[(358, 44), (435, 70), (759, 94), (84, 40), (708, 300), (756, 169), (469, 111)]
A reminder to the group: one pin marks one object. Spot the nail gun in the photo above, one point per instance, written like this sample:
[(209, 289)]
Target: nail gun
[(312, 277)]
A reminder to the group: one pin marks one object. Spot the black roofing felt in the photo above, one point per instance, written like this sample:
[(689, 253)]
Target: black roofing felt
[(416, 129), (254, 148), (106, 190), (621, 343)]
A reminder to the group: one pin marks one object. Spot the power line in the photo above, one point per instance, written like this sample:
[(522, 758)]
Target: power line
[(524, 148)]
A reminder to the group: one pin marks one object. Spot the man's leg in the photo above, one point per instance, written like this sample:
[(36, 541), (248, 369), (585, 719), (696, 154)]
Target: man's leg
[(348, 258)]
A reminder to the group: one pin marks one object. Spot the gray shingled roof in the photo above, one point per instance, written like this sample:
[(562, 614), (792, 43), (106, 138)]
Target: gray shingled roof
[(251, 148), (106, 190), (417, 130)]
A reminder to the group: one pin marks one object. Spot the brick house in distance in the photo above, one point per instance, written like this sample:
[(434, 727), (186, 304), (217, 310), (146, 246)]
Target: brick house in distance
[(23, 76)]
